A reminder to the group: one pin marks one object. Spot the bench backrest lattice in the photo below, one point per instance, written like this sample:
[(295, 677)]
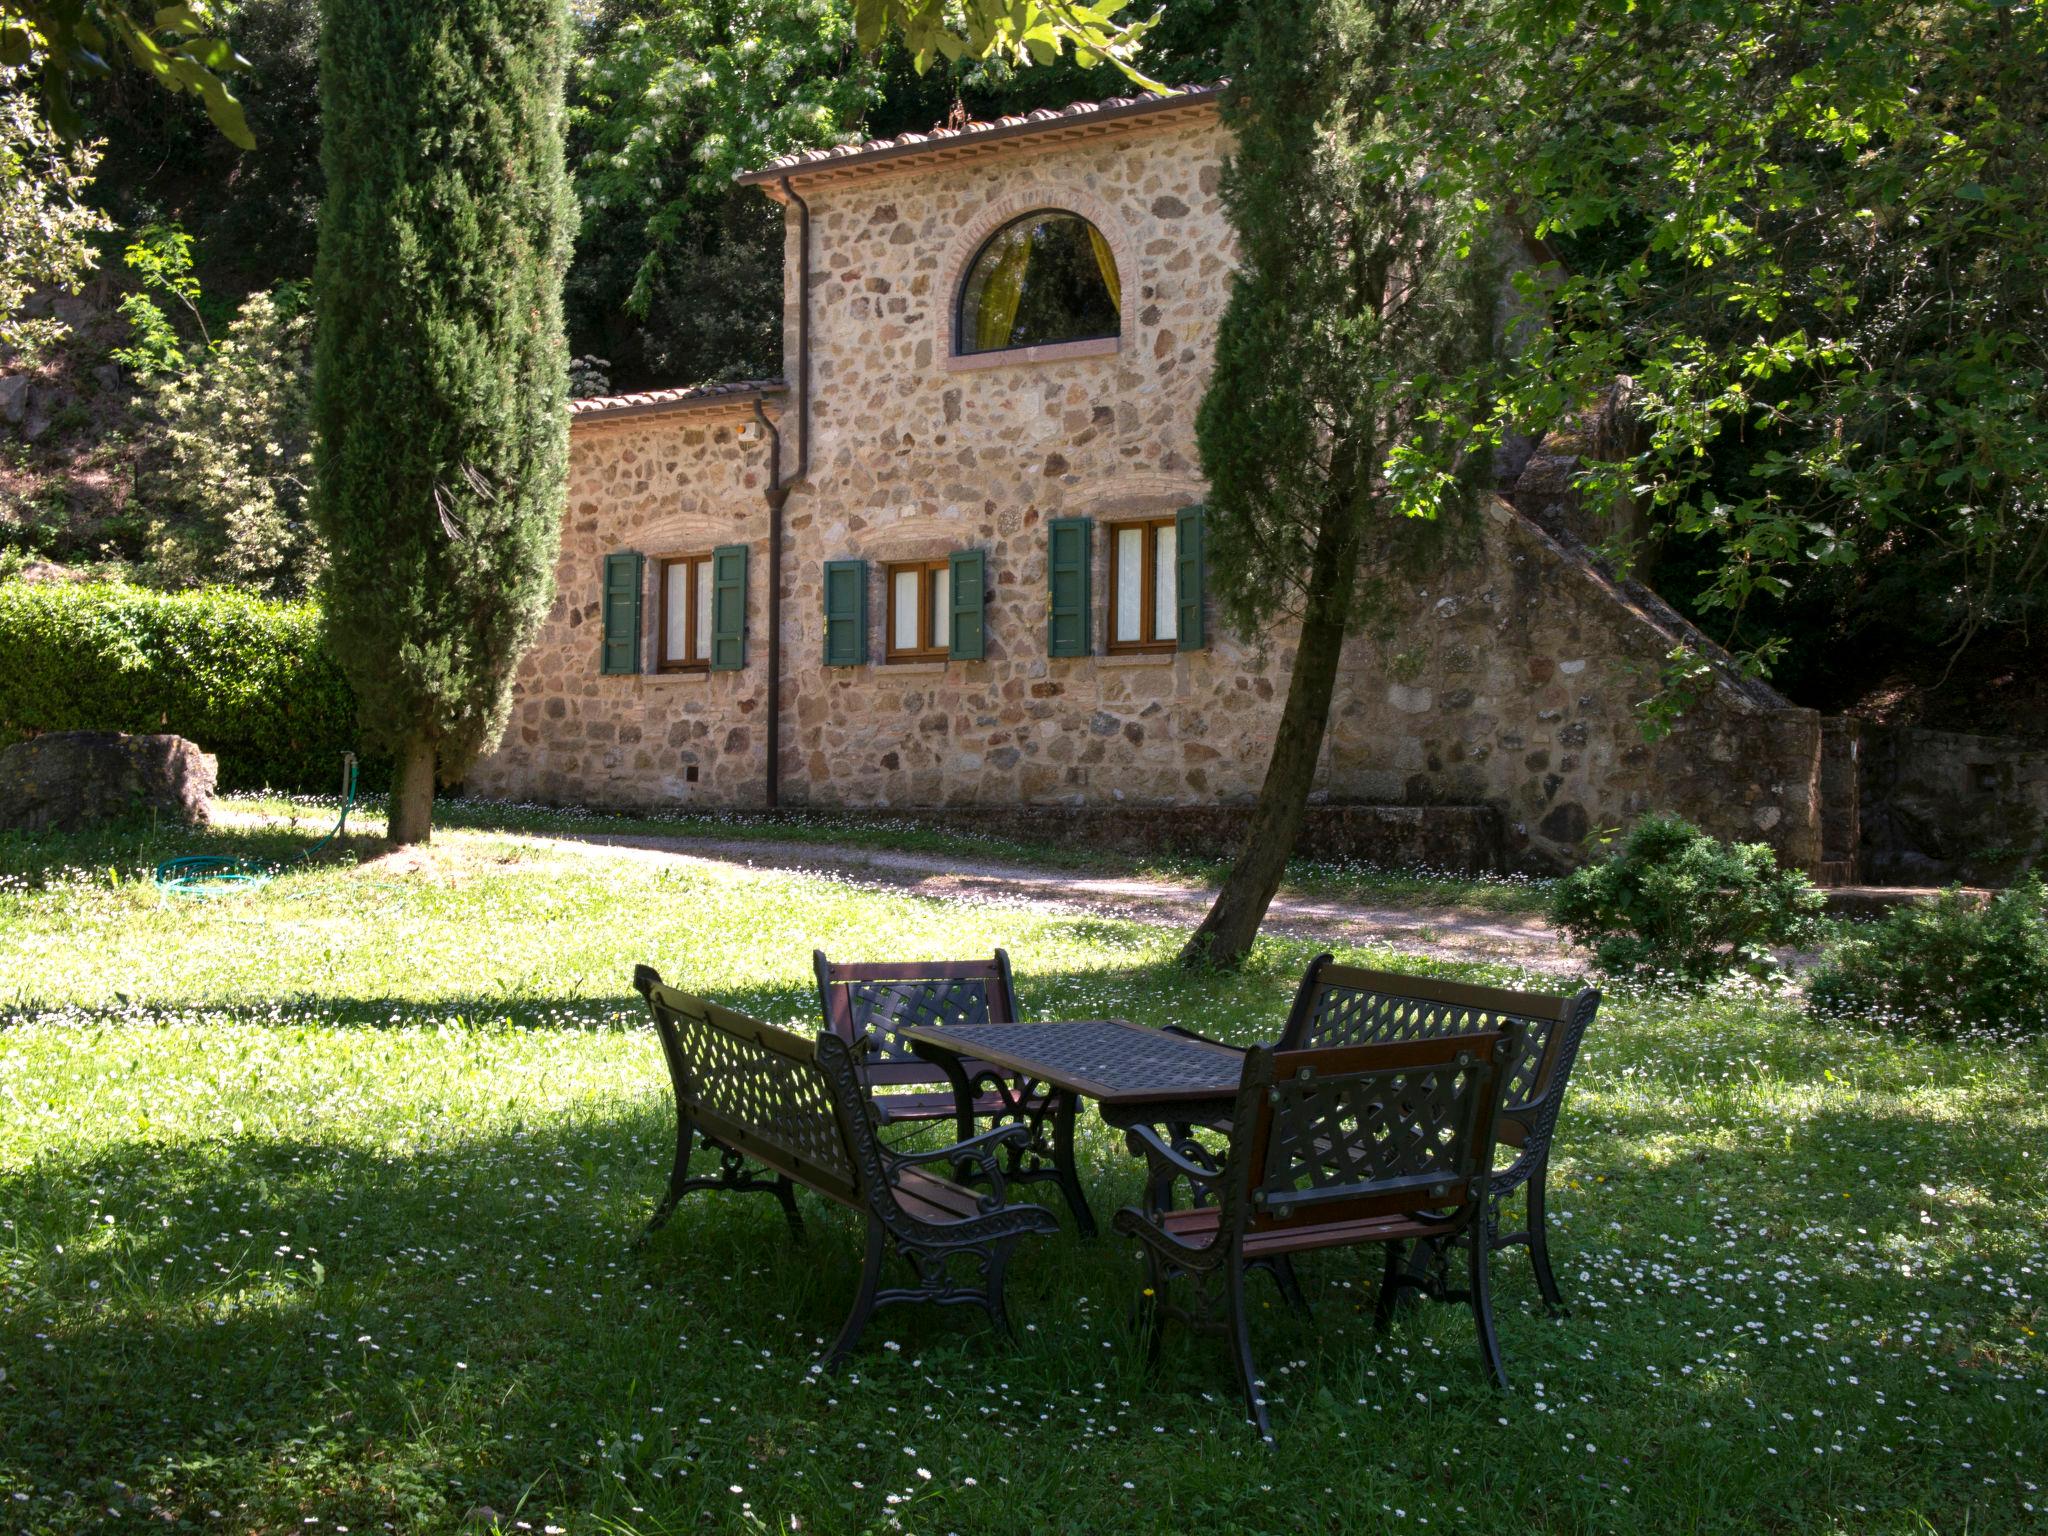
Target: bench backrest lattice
[(866, 1004), (756, 1088), (1343, 1005), (1335, 1135)]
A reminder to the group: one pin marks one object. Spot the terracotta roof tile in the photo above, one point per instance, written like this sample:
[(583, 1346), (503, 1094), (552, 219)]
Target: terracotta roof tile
[(675, 399), (807, 160)]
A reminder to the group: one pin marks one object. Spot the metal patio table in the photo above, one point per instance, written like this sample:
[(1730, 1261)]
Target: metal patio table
[(1111, 1061)]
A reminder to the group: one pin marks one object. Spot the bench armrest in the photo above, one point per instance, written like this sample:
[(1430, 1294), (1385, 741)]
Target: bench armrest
[(975, 1149)]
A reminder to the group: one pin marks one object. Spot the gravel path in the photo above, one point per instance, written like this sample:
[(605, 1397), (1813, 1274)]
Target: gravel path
[(1528, 942)]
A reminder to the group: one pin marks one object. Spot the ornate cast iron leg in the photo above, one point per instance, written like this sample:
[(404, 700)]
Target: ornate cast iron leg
[(1147, 1314), (1390, 1287), (785, 1191), (864, 1301), (678, 1181), (1063, 1163), (963, 1105), (992, 1299), (1539, 1243), (1241, 1347), (1482, 1308), (1290, 1288)]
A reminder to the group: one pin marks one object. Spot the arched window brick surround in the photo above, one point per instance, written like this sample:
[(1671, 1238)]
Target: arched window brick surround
[(1060, 197)]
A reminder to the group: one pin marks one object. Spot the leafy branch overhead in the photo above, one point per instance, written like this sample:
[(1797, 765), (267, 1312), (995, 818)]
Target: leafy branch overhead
[(68, 42), (1021, 31)]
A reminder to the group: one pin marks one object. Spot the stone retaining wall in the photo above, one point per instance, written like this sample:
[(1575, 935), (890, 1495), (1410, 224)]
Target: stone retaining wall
[(1941, 807)]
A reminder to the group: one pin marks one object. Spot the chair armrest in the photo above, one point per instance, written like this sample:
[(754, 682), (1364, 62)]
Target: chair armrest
[(1160, 1158), (976, 1149)]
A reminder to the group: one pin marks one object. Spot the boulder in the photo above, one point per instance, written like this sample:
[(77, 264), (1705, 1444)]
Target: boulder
[(67, 780)]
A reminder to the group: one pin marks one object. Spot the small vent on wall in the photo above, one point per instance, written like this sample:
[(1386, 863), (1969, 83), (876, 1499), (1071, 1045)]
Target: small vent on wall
[(690, 774)]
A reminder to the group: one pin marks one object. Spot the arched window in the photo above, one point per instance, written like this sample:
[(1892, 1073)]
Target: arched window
[(1046, 277)]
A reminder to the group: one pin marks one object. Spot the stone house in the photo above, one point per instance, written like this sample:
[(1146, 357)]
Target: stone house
[(952, 561)]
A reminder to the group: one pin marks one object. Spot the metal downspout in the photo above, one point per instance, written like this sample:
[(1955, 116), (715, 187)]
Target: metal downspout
[(779, 488)]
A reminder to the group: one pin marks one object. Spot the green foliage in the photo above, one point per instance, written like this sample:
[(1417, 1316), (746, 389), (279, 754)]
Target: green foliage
[(1021, 31), (242, 676), (1813, 236), (46, 224), (1673, 904), (1953, 964), (161, 255), (253, 214), (440, 374), (66, 42), (230, 457), (1324, 370), (672, 99)]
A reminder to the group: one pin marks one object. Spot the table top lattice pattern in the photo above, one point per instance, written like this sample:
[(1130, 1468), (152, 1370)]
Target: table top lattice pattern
[(1106, 1059)]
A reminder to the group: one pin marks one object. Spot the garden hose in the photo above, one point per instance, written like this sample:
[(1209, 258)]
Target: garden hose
[(206, 874)]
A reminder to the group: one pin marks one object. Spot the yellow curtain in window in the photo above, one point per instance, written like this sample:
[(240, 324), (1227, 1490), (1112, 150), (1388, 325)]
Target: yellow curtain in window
[(1106, 265), (1001, 295)]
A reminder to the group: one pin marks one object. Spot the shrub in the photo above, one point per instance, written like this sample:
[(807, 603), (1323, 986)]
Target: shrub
[(243, 676), (232, 456), (1955, 963), (1676, 903)]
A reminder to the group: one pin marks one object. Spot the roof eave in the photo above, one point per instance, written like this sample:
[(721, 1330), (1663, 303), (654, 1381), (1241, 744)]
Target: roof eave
[(950, 145), (600, 413)]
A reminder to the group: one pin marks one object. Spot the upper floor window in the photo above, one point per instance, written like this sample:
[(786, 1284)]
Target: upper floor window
[(1046, 277)]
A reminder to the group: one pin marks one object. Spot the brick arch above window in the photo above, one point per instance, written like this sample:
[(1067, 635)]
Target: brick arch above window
[(1051, 196)]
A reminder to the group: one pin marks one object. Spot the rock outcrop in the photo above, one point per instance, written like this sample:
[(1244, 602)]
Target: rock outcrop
[(68, 780)]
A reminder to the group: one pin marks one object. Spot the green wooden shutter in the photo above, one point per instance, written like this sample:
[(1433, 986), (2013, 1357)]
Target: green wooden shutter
[(621, 625), (1068, 547), (1190, 578), (964, 636), (728, 607), (846, 613)]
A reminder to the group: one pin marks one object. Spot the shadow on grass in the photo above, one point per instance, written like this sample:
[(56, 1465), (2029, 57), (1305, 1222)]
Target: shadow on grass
[(402, 1335), (130, 850)]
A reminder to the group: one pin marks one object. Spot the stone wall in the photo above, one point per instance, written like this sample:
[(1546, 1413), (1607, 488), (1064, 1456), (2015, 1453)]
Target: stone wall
[(917, 453), (1511, 676), (1460, 839), (1940, 807), (663, 485)]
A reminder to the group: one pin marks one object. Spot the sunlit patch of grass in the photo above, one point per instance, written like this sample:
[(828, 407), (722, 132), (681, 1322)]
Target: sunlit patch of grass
[(1343, 879), (315, 1203)]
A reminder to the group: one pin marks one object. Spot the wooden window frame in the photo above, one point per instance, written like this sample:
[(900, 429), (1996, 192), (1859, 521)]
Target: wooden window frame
[(927, 620), (692, 661), (1148, 589)]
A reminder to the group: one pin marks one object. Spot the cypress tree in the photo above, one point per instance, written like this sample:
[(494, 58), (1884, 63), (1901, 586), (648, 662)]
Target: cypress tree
[(1362, 296), (440, 384)]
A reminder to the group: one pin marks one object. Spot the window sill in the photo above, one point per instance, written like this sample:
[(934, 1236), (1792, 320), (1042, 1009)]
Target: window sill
[(1136, 658), (1051, 352), (693, 675), (907, 668)]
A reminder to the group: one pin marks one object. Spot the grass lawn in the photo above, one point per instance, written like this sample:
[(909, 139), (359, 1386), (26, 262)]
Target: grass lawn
[(315, 1204)]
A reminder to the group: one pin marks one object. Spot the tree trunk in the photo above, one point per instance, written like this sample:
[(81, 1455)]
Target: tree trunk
[(1226, 934), (412, 794)]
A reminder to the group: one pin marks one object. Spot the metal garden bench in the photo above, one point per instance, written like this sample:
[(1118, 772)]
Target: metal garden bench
[(866, 1004), (1330, 1148), (768, 1099), (1342, 1005)]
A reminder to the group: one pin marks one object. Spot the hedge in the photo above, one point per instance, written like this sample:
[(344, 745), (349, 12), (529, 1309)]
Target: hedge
[(243, 676)]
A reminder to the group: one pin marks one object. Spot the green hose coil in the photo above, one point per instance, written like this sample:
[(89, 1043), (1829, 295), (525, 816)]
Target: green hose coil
[(206, 875)]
